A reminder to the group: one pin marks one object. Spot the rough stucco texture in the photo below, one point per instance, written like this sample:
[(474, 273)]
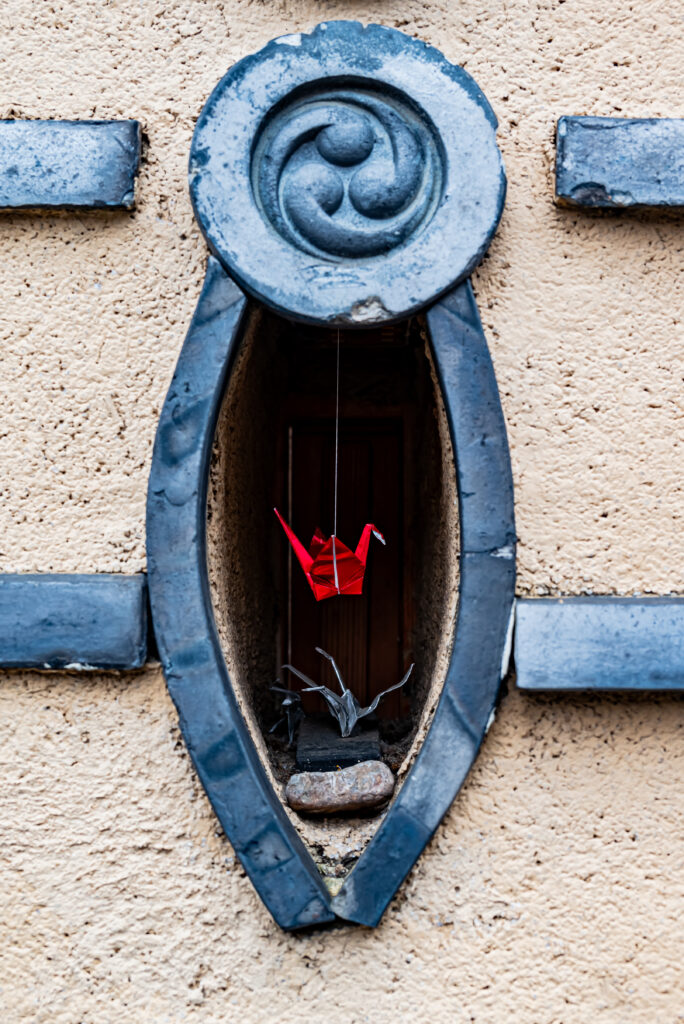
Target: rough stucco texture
[(582, 312), (552, 894)]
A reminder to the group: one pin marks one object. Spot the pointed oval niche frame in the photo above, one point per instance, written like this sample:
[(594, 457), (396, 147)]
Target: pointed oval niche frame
[(347, 177)]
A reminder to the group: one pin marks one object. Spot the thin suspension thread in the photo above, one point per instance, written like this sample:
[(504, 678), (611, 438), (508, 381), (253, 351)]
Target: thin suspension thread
[(337, 455), (337, 430)]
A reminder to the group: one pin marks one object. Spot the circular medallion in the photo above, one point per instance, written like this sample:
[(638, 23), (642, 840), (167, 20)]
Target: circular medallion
[(349, 176)]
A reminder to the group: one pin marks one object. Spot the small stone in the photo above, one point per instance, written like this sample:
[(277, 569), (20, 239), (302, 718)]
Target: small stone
[(357, 788)]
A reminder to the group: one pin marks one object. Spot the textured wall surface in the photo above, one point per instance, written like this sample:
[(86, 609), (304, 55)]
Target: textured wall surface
[(552, 893), (582, 312)]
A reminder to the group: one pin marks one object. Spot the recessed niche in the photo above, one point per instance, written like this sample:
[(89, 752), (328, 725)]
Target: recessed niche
[(275, 446)]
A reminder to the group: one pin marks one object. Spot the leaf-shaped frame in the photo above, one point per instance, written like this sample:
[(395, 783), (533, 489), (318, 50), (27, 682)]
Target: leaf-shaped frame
[(219, 742)]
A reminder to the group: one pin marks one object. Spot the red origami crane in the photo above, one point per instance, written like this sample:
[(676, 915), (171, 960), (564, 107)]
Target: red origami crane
[(329, 565)]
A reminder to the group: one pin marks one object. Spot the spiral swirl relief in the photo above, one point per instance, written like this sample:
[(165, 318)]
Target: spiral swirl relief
[(347, 174)]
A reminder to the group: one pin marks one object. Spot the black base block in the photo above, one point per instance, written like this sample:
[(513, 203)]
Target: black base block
[(320, 748)]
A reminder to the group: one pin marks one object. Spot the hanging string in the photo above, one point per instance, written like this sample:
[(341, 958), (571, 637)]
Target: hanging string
[(337, 429), (337, 454)]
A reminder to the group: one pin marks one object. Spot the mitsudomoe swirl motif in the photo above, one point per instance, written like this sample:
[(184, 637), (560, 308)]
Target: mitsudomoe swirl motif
[(347, 174)]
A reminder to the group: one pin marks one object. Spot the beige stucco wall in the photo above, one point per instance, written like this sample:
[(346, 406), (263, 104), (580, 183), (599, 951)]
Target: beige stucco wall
[(552, 893)]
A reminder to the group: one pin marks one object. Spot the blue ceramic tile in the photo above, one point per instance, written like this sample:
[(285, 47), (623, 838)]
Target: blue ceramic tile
[(68, 164), (620, 163), (93, 621), (196, 673), (600, 643)]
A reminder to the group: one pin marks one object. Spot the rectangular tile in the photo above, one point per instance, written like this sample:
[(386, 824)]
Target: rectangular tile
[(600, 643), (68, 164), (620, 163), (93, 621)]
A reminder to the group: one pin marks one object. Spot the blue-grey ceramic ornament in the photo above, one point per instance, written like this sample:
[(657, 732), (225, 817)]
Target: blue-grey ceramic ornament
[(348, 177)]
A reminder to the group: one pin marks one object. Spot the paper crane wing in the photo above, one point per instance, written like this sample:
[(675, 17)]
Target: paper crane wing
[(371, 707), (331, 699), (345, 708), (317, 542), (329, 565), (305, 559), (300, 675), (319, 650)]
